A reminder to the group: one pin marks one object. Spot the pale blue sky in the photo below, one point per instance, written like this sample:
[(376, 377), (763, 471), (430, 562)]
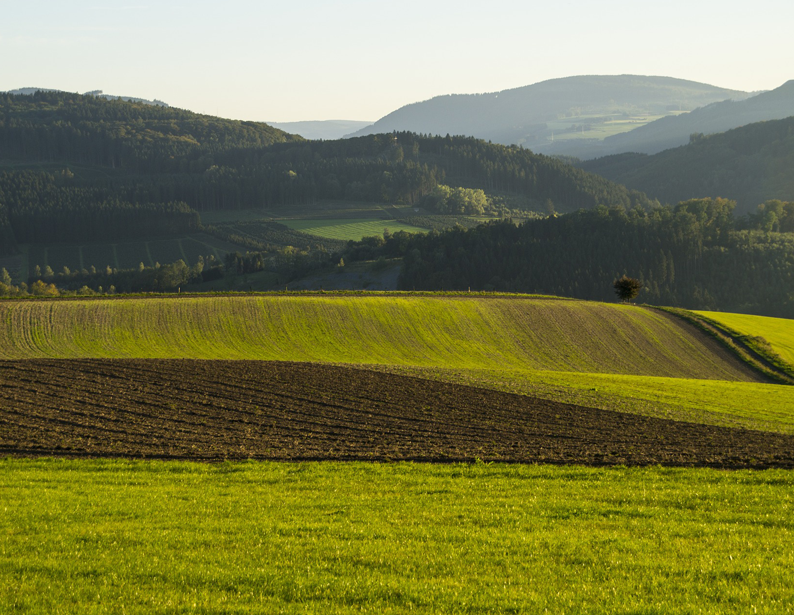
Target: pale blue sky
[(302, 60)]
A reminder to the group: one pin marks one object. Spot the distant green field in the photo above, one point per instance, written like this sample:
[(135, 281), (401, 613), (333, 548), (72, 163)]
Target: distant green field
[(598, 127), (354, 229), (336, 538), (322, 210), (779, 332)]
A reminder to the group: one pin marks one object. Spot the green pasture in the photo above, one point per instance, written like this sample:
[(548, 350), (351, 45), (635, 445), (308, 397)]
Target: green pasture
[(779, 332), (125, 254), (346, 230), (331, 538)]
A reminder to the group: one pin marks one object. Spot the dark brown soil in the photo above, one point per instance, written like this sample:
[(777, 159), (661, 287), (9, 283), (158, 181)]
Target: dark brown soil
[(214, 410)]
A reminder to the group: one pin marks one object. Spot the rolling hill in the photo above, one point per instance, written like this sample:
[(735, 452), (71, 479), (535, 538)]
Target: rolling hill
[(750, 165), (538, 115), (49, 126), (503, 333)]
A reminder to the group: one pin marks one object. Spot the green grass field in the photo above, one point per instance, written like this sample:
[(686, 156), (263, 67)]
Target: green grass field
[(112, 536), (353, 229), (333, 538), (779, 332)]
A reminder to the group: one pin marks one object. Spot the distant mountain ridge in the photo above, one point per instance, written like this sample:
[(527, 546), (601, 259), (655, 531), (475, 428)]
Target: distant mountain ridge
[(320, 129), (522, 115)]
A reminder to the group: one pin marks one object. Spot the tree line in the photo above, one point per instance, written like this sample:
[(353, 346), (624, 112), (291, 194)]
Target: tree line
[(695, 255), (44, 208)]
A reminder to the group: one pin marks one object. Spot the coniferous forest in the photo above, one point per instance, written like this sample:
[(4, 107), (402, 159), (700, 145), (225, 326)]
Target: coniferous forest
[(695, 254)]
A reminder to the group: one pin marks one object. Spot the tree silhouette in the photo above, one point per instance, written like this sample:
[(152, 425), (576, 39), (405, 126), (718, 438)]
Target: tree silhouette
[(627, 288)]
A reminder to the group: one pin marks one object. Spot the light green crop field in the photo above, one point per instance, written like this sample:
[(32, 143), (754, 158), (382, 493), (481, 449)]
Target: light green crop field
[(461, 332), (353, 229), (334, 538), (779, 332)]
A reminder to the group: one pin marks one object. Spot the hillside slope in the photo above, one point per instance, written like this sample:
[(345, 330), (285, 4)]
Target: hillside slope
[(425, 331), (674, 131), (750, 165), (51, 126)]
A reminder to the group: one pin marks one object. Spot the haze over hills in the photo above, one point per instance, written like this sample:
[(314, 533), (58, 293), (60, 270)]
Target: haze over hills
[(538, 115), (321, 129), (674, 131), (750, 165)]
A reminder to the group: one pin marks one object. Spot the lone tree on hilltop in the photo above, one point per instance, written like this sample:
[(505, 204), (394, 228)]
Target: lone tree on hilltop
[(627, 288)]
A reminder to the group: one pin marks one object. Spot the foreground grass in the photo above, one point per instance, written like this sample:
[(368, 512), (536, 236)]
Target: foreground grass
[(156, 537), (751, 405)]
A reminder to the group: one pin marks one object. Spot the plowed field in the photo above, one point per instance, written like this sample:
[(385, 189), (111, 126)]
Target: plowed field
[(213, 410)]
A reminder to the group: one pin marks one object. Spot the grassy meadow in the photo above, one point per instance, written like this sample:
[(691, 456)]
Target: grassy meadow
[(778, 332), (163, 537), (750, 405)]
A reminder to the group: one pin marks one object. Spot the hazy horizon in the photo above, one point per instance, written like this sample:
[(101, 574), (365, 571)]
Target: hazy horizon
[(265, 61)]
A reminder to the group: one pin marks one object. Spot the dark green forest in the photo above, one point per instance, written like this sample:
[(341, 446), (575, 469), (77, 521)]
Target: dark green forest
[(750, 165), (695, 255)]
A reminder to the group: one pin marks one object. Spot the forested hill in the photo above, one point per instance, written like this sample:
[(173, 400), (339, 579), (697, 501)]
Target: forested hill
[(72, 128), (150, 169), (520, 115), (750, 165), (693, 255), (403, 167)]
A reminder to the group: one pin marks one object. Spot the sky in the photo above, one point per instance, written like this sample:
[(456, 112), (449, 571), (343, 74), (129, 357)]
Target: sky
[(356, 60)]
